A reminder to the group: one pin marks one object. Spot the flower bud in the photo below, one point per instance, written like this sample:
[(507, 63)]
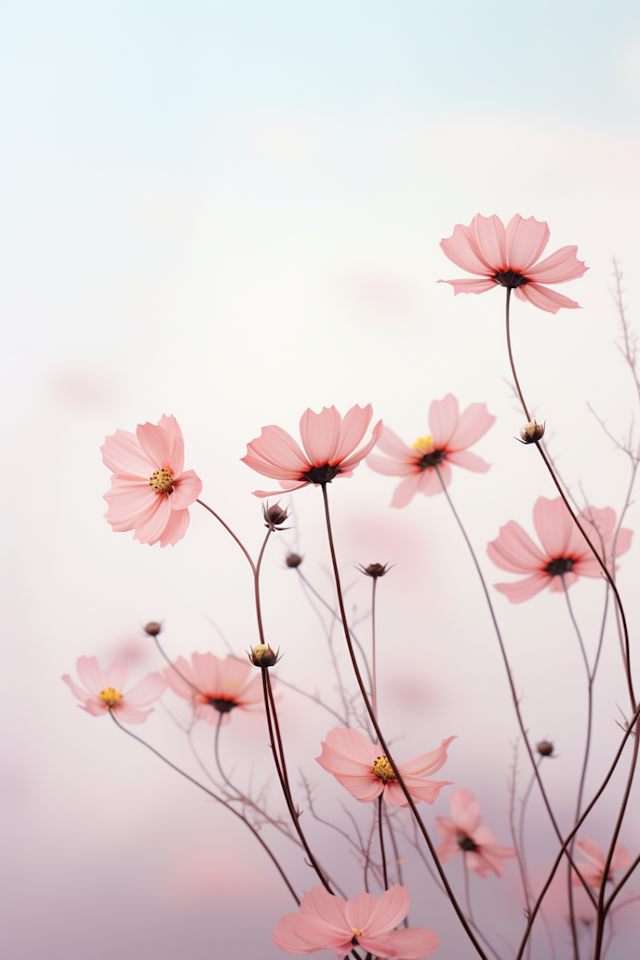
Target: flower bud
[(263, 656), (274, 515), (153, 628), (532, 432), (293, 560), (375, 570), (544, 748)]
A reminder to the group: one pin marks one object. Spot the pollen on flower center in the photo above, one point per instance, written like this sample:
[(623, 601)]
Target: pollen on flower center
[(110, 697), (162, 480), (559, 566), (356, 932), (423, 444), (383, 769)]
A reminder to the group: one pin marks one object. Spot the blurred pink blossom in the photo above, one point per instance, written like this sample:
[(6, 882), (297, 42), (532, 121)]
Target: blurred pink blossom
[(328, 922), (328, 440), (451, 434), (105, 690), (150, 491), (566, 553), (359, 766), (216, 687), (463, 833), (593, 872), (506, 258)]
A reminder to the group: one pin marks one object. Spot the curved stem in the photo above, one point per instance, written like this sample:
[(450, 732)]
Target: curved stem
[(601, 563), (173, 667), (392, 763), (384, 859), (214, 796), (229, 531), (256, 579), (374, 683), (514, 695)]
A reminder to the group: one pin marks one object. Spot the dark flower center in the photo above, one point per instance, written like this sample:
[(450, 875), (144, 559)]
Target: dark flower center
[(432, 459), (324, 474), (555, 568), (222, 705), (510, 279), (466, 843)]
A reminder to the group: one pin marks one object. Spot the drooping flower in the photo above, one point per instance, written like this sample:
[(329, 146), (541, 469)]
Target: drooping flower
[(565, 553), (365, 772), (105, 690), (329, 441), (463, 833), (506, 258), (328, 922), (150, 491), (215, 687), (593, 872), (450, 435)]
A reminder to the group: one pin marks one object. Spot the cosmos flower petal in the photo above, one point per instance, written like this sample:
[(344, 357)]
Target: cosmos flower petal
[(352, 462), (127, 714), (470, 286), (592, 851), (277, 448), (544, 298), (360, 910), (465, 811), (460, 248), (392, 468), (620, 859), (320, 434), (407, 489), (427, 763), (523, 590), (443, 421), (514, 550), (154, 442), (116, 676), (176, 528), (121, 453), (379, 916), (560, 267), (411, 944), (490, 241), (91, 674), (432, 483), (151, 524), (352, 430), (526, 239), (147, 690), (171, 428), (468, 460), (473, 423), (186, 490), (555, 527)]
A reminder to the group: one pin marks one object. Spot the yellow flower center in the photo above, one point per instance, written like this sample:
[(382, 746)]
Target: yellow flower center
[(356, 932), (423, 444), (383, 770), (161, 480), (110, 696)]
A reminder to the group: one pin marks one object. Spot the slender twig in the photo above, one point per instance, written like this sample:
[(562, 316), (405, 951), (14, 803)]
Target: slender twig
[(374, 681), (382, 854), (230, 531), (256, 579)]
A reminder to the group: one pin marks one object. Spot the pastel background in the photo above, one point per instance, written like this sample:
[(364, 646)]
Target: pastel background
[(231, 212)]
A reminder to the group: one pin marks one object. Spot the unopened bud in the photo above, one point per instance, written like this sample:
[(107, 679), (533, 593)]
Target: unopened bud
[(293, 560), (263, 656), (532, 432), (274, 515), (544, 748), (153, 628), (375, 569)]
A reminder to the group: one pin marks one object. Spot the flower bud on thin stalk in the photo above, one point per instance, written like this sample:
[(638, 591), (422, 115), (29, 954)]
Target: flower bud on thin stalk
[(274, 516), (545, 748), (532, 432), (153, 628), (262, 655), (293, 560)]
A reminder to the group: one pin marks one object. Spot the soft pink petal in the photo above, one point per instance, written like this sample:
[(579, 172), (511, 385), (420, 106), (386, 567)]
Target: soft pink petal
[(176, 455), (592, 851), (560, 267), (443, 421), (590, 874), (383, 915), (320, 434), (350, 744), (116, 676), (411, 944), (284, 488), (465, 811), (623, 542), (122, 453), (468, 460), (128, 498), (557, 586), (448, 849), (274, 470), (497, 857), (356, 458), (432, 483), (352, 430), (176, 527), (461, 250), (206, 669), (391, 444), (392, 468), (526, 239), (603, 520), (155, 444), (490, 241), (75, 689), (127, 714), (405, 491), (418, 787), (544, 298), (95, 707), (91, 674), (525, 589), (514, 550), (476, 862), (277, 448), (427, 763), (146, 691), (555, 527), (285, 937), (150, 526), (470, 286), (360, 909), (620, 859), (473, 423), (181, 679), (233, 674), (322, 905), (171, 428)]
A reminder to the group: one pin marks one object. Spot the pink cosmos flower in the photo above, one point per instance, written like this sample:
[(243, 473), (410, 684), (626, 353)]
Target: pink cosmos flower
[(566, 553), (463, 833), (216, 687), (105, 690), (451, 434), (328, 441), (359, 766), (150, 491), (506, 258), (327, 922), (593, 872)]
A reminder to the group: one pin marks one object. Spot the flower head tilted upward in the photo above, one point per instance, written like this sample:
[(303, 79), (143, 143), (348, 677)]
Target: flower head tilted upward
[(451, 434), (150, 489), (565, 553), (463, 833), (506, 258), (104, 690), (329, 441), (328, 922)]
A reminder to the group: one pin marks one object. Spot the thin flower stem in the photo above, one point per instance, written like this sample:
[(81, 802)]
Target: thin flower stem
[(374, 681), (384, 859), (514, 695), (512, 828), (256, 579), (173, 667), (628, 732), (278, 755), (392, 763), (229, 531), (602, 564), (214, 796)]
